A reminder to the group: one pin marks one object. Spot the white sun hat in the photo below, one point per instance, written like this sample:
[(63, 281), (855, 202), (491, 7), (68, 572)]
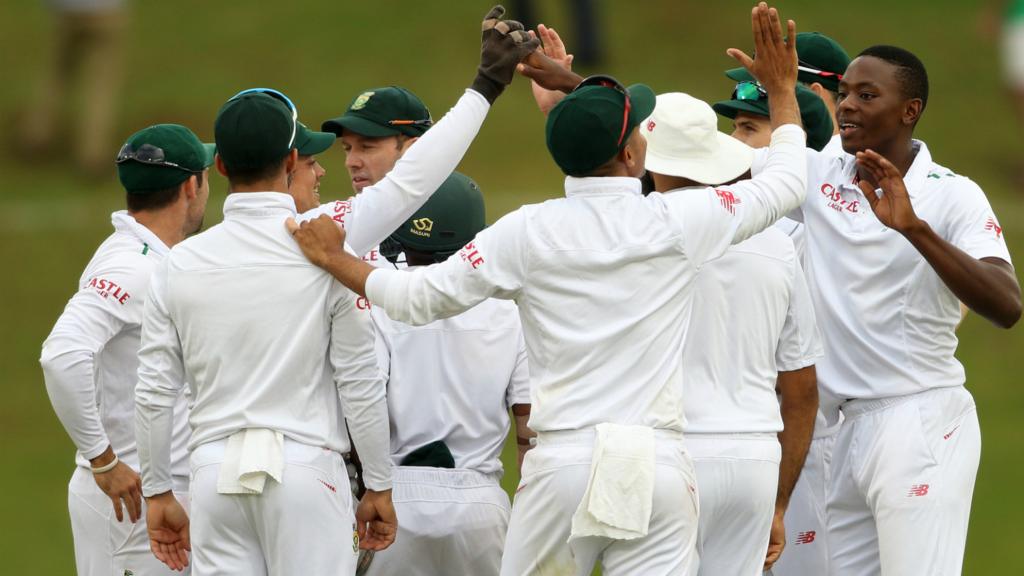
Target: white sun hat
[(683, 140)]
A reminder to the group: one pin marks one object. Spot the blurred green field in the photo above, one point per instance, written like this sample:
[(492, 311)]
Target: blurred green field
[(184, 58)]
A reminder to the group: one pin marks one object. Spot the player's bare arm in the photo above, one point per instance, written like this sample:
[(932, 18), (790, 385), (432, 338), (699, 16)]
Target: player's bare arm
[(988, 286), (776, 64), (120, 483), (521, 413), (168, 530), (798, 404), (321, 240)]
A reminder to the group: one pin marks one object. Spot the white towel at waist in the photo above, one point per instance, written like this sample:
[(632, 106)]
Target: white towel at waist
[(620, 492), (251, 455)]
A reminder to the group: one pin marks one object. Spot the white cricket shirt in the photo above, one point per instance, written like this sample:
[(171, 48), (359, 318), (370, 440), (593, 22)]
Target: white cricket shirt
[(887, 319), (257, 328), (603, 279), (752, 318), (455, 380), (90, 358)]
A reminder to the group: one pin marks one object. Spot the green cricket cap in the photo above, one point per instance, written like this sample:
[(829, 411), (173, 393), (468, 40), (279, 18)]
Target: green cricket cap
[(310, 142), (813, 114), (254, 129), (381, 112), (177, 144), (814, 50), (583, 131), (452, 216)]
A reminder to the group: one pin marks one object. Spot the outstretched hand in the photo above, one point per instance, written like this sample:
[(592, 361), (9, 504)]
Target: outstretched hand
[(893, 208), (167, 524), (775, 65), (504, 44), (550, 70)]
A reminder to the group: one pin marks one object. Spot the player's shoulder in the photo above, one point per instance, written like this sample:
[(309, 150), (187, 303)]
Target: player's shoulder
[(771, 243), (124, 256), (338, 210)]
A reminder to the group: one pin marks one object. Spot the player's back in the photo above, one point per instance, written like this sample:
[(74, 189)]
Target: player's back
[(454, 380), (740, 307), (254, 320)]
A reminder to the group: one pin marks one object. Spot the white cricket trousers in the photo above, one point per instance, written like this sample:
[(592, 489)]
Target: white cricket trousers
[(737, 477), (555, 476), (104, 546), (304, 525), (903, 478), (450, 522), (806, 552)]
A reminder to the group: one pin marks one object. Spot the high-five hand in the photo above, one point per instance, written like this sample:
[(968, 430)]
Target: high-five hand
[(545, 68), (775, 65), (893, 208), (504, 44)]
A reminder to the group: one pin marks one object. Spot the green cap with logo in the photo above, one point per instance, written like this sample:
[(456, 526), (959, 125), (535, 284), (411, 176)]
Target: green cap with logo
[(816, 52), (586, 129), (310, 142), (813, 114), (254, 129), (161, 157), (452, 216), (381, 112)]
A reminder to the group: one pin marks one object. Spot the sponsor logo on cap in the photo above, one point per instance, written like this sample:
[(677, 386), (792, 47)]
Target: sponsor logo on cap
[(361, 101), (422, 227)]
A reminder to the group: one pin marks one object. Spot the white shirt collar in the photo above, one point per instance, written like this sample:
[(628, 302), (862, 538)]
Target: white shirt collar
[(601, 185), (125, 222), (914, 178), (241, 204)]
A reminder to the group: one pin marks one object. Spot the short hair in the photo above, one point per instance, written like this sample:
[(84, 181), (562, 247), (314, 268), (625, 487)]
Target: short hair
[(251, 174), (158, 199), (910, 70)]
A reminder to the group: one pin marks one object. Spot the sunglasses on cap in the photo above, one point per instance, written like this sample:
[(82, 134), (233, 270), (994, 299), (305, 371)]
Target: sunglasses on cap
[(280, 96), (805, 67), (427, 122), (749, 90), (609, 82), (148, 154)]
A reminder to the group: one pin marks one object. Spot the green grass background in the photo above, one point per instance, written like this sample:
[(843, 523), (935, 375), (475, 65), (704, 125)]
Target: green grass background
[(184, 58)]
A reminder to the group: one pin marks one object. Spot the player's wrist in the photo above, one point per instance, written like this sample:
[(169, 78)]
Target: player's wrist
[(915, 230), (105, 461)]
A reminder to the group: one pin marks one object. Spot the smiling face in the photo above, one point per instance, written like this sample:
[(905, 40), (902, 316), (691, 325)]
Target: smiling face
[(369, 159), (873, 109), (305, 183), (753, 130)]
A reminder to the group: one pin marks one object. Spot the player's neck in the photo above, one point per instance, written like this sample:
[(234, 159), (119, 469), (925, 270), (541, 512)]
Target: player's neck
[(166, 224)]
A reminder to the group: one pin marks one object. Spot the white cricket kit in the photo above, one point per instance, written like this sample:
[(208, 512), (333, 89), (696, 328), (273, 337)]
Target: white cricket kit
[(900, 505), (256, 327), (603, 279), (452, 380), (89, 364), (752, 318)]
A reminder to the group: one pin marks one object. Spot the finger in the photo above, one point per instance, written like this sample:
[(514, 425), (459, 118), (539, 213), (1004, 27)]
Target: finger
[(556, 43), (523, 37), (869, 193), (776, 27), (501, 26), (791, 36), (493, 17), (116, 500), (762, 39), (133, 503), (291, 225), (514, 25), (741, 57), (527, 45)]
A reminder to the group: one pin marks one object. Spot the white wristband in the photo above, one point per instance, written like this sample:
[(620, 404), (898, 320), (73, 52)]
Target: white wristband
[(106, 467)]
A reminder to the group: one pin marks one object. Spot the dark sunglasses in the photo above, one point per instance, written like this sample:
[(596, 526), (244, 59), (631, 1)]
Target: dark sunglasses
[(749, 90), (280, 96), (609, 82), (805, 67), (148, 154)]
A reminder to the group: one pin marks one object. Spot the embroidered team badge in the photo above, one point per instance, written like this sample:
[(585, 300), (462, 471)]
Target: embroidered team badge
[(361, 101)]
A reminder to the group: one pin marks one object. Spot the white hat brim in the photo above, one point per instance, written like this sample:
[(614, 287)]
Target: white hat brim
[(730, 161)]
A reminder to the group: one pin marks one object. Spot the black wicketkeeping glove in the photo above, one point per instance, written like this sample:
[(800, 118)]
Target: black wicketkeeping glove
[(504, 44)]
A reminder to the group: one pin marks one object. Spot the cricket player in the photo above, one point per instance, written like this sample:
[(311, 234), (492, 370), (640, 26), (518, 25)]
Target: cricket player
[(267, 435), (914, 238), (89, 359), (805, 535), (604, 282), (451, 384), (822, 64), (746, 339), (377, 128)]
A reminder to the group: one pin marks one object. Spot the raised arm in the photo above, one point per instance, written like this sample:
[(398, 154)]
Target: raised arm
[(373, 214)]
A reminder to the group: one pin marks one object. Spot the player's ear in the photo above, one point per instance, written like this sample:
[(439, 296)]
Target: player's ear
[(912, 111), (220, 165), (292, 161), (818, 89), (190, 187)]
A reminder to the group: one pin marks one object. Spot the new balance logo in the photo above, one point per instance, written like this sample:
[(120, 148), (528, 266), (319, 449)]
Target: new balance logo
[(918, 490), (805, 537), (329, 486), (950, 433), (991, 224), (728, 200)]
